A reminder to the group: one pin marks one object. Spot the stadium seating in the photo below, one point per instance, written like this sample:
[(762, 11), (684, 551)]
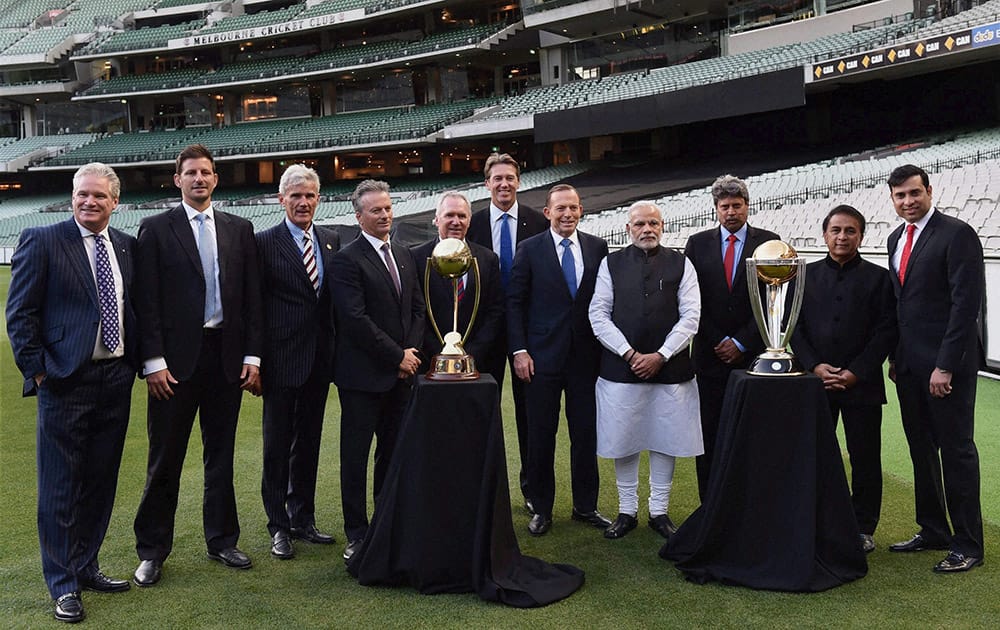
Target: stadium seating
[(150, 37), (254, 20)]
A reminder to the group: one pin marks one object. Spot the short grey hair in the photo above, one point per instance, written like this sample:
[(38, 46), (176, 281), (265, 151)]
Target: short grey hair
[(99, 169), (644, 204), (296, 175), (729, 186), (367, 186), (452, 194)]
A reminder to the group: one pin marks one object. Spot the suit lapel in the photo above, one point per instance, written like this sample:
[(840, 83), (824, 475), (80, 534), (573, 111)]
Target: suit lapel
[(892, 243), (124, 261), (77, 253), (182, 230), (375, 259), (289, 250)]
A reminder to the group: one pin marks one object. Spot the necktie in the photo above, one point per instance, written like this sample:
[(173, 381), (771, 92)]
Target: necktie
[(729, 260), (310, 261), (106, 295), (506, 249), (904, 259), (461, 288), (569, 267), (207, 255), (392, 268)]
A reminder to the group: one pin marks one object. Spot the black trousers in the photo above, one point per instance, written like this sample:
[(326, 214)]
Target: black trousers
[(169, 423), (863, 433)]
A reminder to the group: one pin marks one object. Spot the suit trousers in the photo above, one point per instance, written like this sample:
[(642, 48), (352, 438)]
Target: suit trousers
[(169, 424), (292, 430), (82, 422), (364, 415), (863, 433), (939, 432), (711, 392)]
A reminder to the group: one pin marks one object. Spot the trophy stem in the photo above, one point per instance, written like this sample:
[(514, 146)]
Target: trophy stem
[(454, 317)]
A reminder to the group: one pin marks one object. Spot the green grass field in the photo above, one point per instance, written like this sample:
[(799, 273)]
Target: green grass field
[(627, 584)]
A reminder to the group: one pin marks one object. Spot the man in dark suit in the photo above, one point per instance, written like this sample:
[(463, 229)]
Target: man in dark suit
[(727, 337), (199, 308), (298, 359), (72, 329), (452, 221), (501, 227), (380, 326), (845, 331), (555, 351), (939, 280)]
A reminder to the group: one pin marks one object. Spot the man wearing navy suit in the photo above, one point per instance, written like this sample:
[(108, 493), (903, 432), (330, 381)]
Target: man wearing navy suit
[(380, 326), (72, 329), (452, 221), (199, 309), (939, 280), (555, 351), (727, 337), (501, 227), (298, 359)]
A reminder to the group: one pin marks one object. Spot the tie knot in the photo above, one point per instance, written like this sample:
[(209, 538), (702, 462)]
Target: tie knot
[(385, 247), (911, 228), (732, 238), (566, 243), (200, 218), (306, 237)]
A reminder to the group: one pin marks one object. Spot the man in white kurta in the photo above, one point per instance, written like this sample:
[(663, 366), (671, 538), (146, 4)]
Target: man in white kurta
[(645, 311)]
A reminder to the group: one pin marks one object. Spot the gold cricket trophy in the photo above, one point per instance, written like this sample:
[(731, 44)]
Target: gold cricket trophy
[(452, 259), (775, 264)]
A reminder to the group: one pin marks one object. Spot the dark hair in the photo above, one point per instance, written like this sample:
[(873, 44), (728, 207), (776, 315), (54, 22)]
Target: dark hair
[(194, 151), (902, 173), (727, 186), (850, 211)]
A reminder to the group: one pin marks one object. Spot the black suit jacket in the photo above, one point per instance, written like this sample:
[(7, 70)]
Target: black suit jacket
[(170, 296), (724, 313), (529, 223), (299, 326), (542, 318), (939, 305), (489, 319), (52, 307), (374, 324)]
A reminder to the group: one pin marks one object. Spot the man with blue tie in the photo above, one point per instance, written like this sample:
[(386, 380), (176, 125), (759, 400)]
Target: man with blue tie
[(298, 354), (72, 329), (555, 351)]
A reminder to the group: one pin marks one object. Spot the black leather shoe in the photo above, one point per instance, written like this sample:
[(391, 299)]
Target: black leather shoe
[(867, 543), (281, 545), (956, 563), (663, 526), (529, 507), (148, 572), (231, 557), (594, 518), (622, 525), (101, 583), (351, 548), (917, 543), (539, 525), (69, 608), (309, 533)]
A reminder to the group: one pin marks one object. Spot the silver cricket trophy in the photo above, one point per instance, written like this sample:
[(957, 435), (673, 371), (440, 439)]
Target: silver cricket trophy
[(773, 265), (452, 259)]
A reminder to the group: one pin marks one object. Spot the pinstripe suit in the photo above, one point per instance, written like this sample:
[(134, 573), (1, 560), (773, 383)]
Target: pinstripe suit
[(83, 405), (297, 369)]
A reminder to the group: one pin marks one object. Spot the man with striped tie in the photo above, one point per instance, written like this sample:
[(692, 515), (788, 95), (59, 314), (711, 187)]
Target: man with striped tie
[(297, 362)]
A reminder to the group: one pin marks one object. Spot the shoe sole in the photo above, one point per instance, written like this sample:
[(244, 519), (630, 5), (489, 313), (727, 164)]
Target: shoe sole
[(977, 564), (65, 619)]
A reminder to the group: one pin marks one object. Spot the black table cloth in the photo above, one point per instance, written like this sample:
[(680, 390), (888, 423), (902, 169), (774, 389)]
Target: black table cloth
[(777, 514), (442, 522)]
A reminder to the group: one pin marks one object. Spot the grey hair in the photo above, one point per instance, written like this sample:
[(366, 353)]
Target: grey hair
[(99, 169), (644, 204), (296, 175), (729, 186), (453, 194), (367, 186)]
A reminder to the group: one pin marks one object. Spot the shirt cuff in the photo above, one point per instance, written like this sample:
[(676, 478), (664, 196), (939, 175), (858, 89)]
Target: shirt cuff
[(251, 360), (153, 365)]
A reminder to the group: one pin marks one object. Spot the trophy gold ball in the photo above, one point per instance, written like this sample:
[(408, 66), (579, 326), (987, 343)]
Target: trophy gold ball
[(774, 270), (451, 258), (770, 269)]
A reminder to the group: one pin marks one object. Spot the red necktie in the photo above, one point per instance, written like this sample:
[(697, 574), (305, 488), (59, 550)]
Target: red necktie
[(905, 258), (729, 260)]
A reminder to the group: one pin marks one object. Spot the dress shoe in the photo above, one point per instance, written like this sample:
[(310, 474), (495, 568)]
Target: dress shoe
[(101, 583), (539, 525), (594, 518), (281, 545), (917, 543), (529, 507), (148, 572), (622, 525), (351, 549), (231, 557), (69, 608), (662, 525), (309, 533), (867, 543), (956, 563)]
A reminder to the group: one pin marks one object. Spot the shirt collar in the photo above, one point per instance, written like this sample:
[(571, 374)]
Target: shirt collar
[(850, 264), (84, 232), (374, 242), (922, 223), (209, 212), (297, 232), (495, 212), (575, 237), (741, 234)]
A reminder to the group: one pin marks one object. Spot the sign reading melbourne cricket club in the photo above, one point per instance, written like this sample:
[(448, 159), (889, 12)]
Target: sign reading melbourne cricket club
[(944, 44), (266, 31)]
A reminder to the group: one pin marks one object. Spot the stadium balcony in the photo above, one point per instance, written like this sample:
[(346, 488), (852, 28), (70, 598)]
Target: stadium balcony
[(39, 46), (253, 20), (146, 38), (153, 82), (130, 148), (85, 15), (23, 13)]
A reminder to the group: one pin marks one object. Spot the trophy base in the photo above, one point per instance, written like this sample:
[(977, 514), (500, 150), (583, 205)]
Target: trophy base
[(776, 363), (453, 367)]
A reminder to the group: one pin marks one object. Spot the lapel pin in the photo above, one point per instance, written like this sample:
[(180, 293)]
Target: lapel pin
[(328, 246)]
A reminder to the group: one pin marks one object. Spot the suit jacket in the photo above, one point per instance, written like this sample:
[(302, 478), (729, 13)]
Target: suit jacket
[(299, 327), (489, 319), (939, 306), (170, 298), (529, 223), (52, 306), (374, 324), (723, 312), (542, 318)]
